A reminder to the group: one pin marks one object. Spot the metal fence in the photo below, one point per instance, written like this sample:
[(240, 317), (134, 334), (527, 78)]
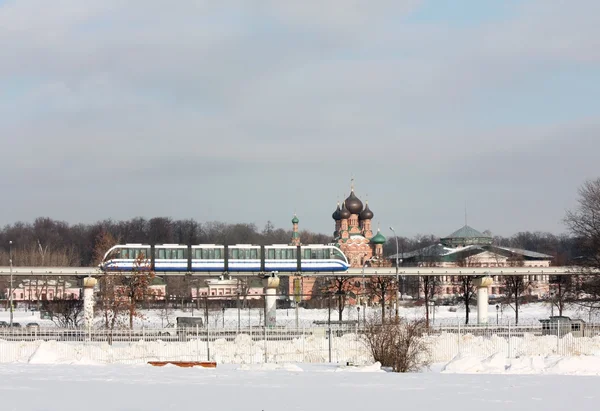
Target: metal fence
[(315, 344)]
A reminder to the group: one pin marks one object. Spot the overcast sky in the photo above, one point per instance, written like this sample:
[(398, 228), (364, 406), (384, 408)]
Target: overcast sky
[(244, 111)]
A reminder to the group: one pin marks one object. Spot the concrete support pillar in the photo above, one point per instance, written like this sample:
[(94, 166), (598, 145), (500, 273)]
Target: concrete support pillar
[(88, 301), (482, 285), (271, 283)]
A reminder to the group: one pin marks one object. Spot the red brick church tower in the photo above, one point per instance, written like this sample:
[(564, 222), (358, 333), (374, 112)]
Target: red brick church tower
[(353, 231)]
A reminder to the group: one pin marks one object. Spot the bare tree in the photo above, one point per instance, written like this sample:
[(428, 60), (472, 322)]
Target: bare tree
[(584, 224), (65, 312), (339, 287), (467, 287), (431, 285), (563, 291), (467, 293), (515, 286), (136, 286), (379, 288), (110, 300)]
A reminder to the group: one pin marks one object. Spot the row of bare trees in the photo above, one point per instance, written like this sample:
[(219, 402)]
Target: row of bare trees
[(56, 243)]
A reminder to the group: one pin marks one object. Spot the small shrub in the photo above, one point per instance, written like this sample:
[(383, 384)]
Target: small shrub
[(398, 344)]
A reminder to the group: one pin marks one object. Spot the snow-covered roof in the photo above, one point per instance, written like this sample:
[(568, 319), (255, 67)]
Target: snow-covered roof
[(467, 232), (439, 250), (526, 253)]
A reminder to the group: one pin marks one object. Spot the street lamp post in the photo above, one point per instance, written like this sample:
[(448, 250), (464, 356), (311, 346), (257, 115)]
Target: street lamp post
[(397, 276), (11, 282)]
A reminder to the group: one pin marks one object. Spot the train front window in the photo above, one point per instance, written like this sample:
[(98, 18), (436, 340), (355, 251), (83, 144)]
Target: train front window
[(114, 254), (338, 255)]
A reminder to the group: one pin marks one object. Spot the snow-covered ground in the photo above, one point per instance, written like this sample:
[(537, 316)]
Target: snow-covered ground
[(292, 387)]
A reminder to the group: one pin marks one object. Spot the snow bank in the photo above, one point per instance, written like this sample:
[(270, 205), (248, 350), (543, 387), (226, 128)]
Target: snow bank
[(476, 353), (271, 367), (51, 352), (499, 364), (376, 367)]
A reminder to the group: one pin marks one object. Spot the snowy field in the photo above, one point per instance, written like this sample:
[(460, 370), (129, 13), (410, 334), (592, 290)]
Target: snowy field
[(287, 387)]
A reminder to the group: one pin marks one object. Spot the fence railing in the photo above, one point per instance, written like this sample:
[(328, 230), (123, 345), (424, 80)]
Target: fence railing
[(314, 344)]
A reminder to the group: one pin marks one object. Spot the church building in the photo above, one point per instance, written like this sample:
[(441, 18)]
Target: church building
[(354, 233)]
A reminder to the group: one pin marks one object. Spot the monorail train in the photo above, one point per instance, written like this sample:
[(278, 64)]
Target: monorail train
[(223, 258)]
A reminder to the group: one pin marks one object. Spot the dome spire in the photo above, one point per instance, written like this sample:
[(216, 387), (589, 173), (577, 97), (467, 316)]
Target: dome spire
[(344, 212), (366, 213), (353, 204), (336, 213), (379, 238)]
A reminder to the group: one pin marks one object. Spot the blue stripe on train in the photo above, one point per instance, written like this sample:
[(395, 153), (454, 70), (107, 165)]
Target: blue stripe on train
[(183, 268)]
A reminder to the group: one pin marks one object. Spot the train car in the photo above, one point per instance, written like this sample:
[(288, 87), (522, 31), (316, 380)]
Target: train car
[(222, 258)]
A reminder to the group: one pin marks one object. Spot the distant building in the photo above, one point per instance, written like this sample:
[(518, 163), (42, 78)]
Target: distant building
[(227, 289), (468, 247), (41, 290)]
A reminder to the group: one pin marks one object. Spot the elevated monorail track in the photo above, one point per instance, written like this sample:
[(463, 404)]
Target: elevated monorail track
[(352, 272)]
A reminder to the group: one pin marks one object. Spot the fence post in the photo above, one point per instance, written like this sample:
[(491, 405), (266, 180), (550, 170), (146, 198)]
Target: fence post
[(265, 337), (558, 337), (197, 343), (303, 340), (207, 341), (509, 345), (329, 332), (458, 341)]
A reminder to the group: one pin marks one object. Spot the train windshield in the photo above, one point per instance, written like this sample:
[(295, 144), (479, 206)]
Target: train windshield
[(114, 254), (338, 255)]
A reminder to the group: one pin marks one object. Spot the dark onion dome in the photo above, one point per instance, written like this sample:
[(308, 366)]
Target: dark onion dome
[(295, 220), (336, 213), (366, 214), (353, 204), (379, 238), (344, 213)]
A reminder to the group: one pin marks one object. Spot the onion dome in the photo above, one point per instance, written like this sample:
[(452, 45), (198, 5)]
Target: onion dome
[(336, 213), (353, 204), (344, 212), (295, 220), (379, 238), (366, 214)]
